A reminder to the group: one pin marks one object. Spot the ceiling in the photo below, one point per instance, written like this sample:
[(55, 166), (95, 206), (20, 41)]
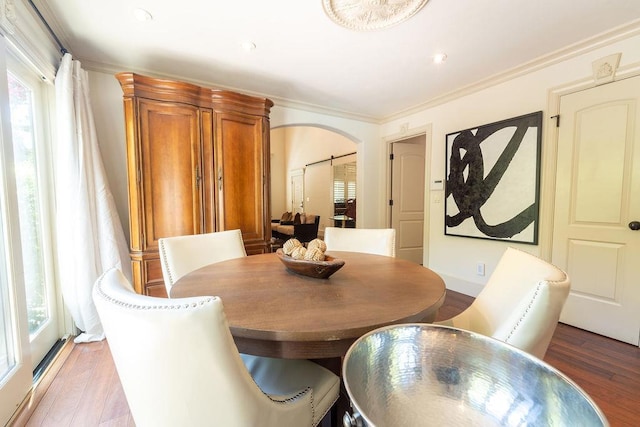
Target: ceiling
[(304, 58)]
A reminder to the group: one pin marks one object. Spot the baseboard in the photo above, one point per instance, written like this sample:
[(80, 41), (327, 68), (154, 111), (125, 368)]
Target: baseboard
[(463, 286)]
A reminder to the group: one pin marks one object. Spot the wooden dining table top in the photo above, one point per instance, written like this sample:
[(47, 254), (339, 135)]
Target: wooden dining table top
[(277, 313)]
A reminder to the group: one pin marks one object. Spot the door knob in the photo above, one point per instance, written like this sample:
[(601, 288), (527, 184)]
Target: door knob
[(634, 225)]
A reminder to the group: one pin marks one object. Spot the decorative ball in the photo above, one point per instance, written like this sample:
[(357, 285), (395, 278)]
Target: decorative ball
[(290, 245), (314, 254), (317, 243), (299, 252)]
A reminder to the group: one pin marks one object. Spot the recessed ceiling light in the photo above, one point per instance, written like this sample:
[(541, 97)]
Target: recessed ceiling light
[(142, 15), (248, 46), (439, 58)]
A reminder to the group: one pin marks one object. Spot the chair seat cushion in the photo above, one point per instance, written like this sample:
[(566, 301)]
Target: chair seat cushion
[(284, 377), (285, 229)]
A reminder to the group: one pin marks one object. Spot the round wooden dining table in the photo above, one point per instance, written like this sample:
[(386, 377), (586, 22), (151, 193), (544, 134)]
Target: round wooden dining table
[(274, 312)]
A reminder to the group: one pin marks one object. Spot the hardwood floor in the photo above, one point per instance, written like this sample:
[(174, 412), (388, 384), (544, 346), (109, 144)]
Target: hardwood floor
[(82, 388)]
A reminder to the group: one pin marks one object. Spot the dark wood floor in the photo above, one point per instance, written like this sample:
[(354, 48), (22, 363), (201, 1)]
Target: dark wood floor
[(82, 388)]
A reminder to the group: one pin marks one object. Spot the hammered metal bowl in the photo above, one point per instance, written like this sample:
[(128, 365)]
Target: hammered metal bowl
[(431, 375)]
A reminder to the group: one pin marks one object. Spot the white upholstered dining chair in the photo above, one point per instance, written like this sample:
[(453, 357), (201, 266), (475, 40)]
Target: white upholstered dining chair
[(520, 304), (180, 255), (179, 366), (377, 241)]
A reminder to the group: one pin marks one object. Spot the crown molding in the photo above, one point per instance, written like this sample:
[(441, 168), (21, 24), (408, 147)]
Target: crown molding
[(602, 40), (278, 101)]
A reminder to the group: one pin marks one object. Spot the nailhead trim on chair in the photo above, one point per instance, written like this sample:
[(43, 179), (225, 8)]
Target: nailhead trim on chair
[(535, 294), (551, 282), (294, 398), (153, 307), (166, 262)]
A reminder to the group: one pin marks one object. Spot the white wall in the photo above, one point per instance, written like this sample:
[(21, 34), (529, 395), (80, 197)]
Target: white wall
[(279, 183), (456, 257), (453, 257), (108, 112)]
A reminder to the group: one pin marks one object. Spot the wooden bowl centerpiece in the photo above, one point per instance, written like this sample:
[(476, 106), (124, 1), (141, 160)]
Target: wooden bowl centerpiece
[(315, 269)]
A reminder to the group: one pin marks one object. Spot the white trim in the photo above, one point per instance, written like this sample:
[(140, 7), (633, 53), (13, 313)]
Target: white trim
[(460, 285), (550, 150), (17, 383), (34, 42), (566, 53), (404, 134), (42, 92)]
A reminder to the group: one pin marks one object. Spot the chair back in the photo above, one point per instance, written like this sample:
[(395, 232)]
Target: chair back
[(176, 359), (377, 241), (520, 304), (183, 254)]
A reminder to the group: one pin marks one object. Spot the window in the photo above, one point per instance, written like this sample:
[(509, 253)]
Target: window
[(344, 182), (29, 324), (21, 100)]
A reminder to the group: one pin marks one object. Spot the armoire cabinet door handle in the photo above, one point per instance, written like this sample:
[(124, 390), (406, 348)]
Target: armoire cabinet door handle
[(219, 179)]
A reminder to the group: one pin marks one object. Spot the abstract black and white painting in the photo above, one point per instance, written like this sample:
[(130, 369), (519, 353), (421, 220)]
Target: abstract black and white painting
[(493, 176)]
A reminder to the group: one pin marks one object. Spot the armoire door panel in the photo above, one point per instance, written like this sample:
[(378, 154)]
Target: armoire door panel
[(239, 152), (209, 177), (170, 153)]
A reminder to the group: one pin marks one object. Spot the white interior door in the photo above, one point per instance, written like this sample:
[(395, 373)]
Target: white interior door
[(407, 193), (297, 191), (597, 199)]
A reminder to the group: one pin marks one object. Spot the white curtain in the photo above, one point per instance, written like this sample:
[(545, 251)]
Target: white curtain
[(90, 238)]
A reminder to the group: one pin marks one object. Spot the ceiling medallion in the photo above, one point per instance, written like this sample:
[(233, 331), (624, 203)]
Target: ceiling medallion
[(371, 14)]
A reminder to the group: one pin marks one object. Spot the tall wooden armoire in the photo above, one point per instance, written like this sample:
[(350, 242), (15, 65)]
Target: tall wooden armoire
[(197, 161)]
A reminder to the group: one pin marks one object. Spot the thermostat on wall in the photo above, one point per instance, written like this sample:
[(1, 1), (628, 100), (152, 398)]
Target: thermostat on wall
[(437, 184)]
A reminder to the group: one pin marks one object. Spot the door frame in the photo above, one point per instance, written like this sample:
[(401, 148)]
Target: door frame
[(294, 173), (406, 133), (550, 152)]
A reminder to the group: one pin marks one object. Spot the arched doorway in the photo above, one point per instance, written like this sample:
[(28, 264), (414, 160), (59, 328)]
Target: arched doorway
[(307, 152)]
